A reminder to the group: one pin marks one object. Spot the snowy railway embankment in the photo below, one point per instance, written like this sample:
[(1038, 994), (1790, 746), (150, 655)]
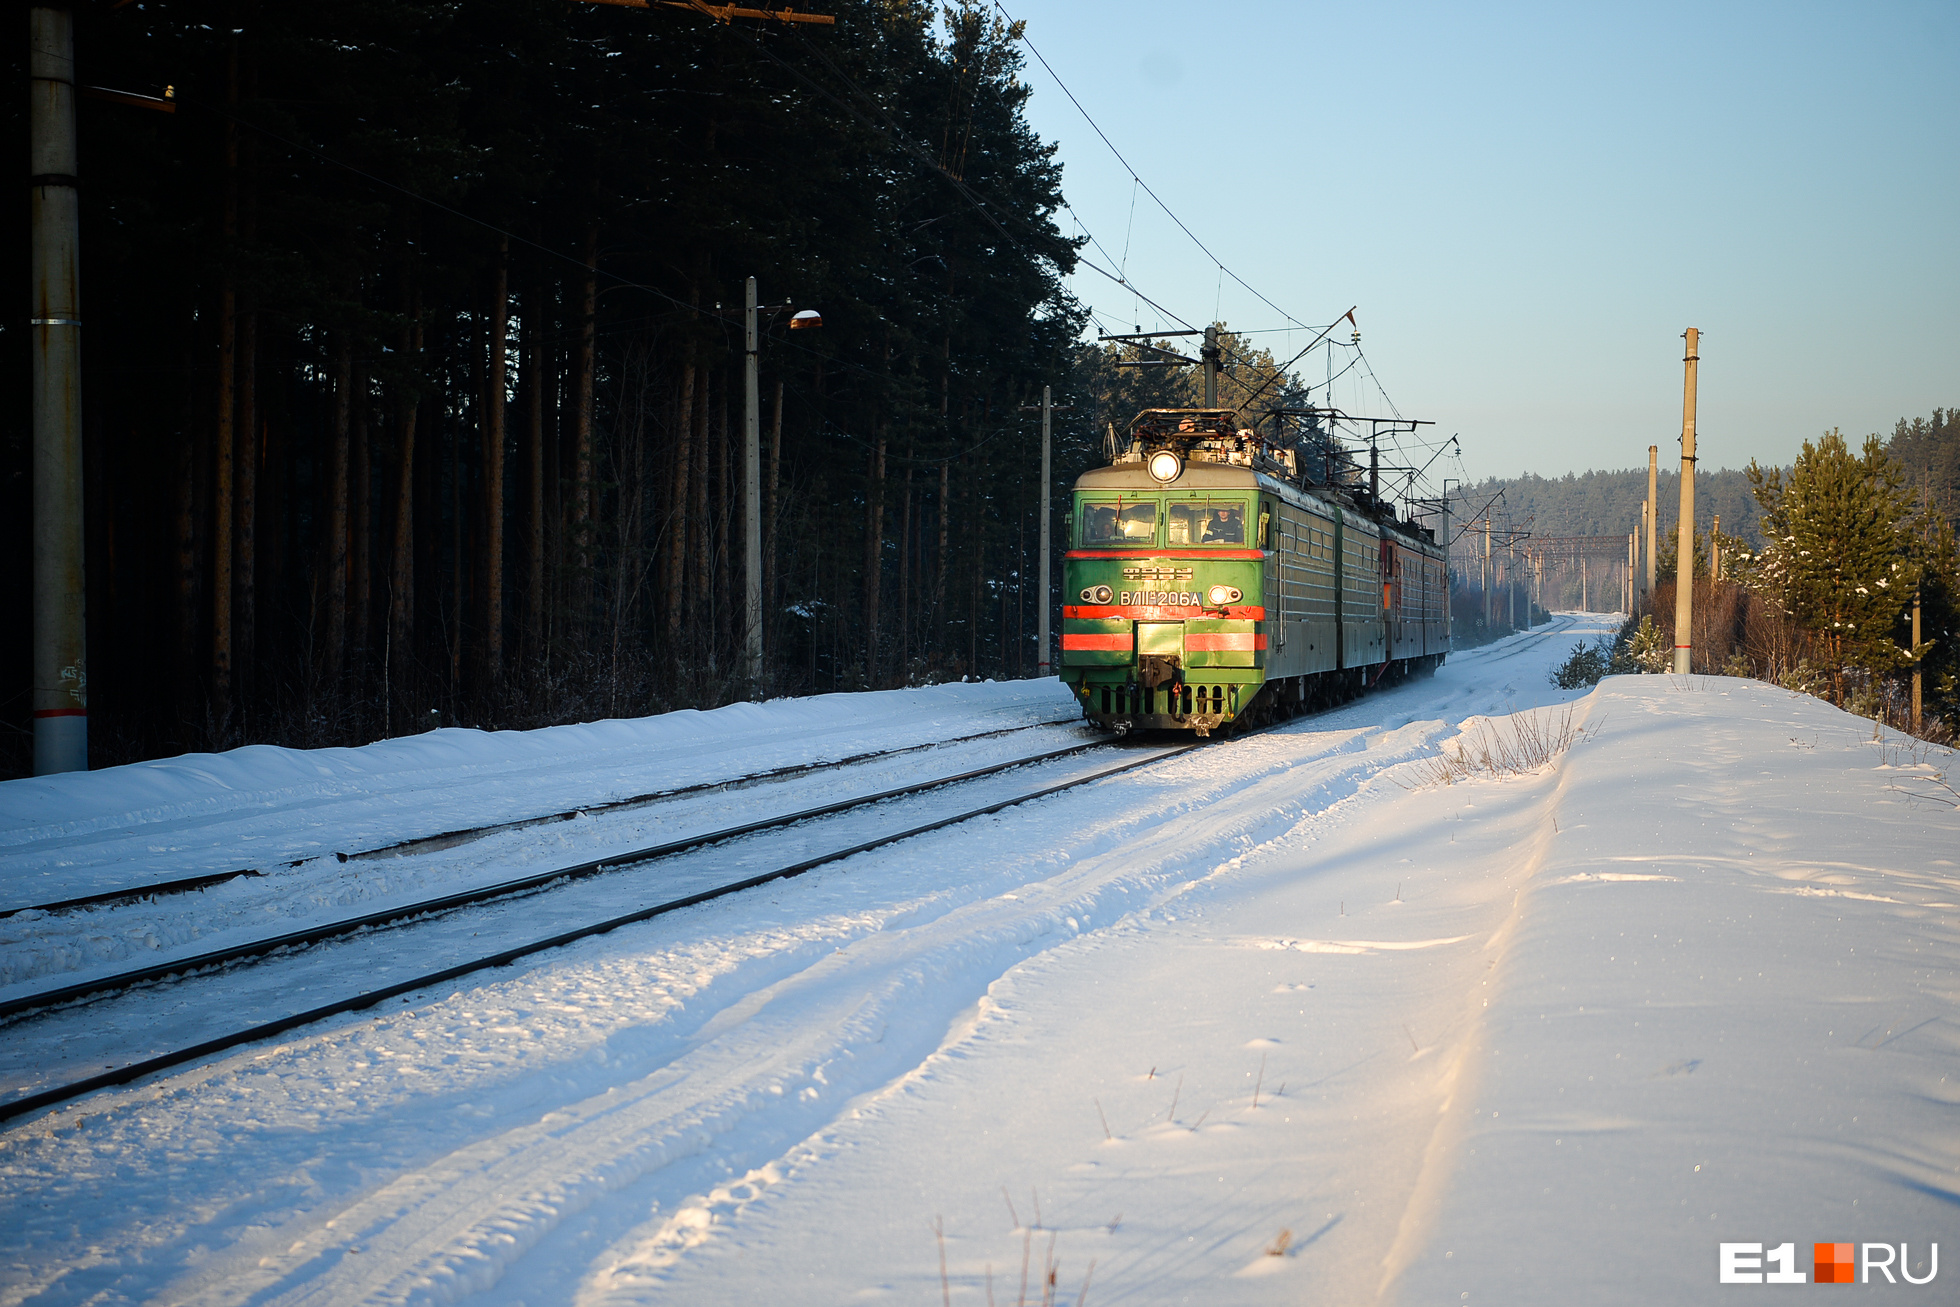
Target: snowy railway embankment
[(1280, 1020)]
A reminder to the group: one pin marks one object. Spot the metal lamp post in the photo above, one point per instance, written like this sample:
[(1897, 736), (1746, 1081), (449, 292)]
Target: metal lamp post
[(752, 481)]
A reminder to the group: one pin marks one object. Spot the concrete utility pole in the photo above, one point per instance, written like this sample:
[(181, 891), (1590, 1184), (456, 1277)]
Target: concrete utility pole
[(1639, 539), (1915, 665), (1510, 586), (1653, 511), (60, 693), (1044, 664), (1210, 353), (1715, 549), (751, 503), (1042, 667), (1449, 615), (1484, 577), (1684, 568)]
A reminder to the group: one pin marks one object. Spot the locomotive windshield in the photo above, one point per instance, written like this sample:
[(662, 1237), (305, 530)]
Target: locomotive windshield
[(1207, 522), (1113, 522)]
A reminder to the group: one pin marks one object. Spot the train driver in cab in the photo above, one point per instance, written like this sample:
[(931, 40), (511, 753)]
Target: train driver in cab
[(1225, 526)]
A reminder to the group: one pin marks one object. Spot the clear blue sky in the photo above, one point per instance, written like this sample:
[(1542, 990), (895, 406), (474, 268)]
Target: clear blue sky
[(1529, 205)]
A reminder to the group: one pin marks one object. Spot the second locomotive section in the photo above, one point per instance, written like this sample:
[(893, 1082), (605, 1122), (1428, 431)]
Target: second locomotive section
[(1208, 584)]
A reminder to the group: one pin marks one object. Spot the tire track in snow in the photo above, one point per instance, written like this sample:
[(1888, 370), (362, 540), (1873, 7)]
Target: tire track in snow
[(773, 1068), (461, 1196)]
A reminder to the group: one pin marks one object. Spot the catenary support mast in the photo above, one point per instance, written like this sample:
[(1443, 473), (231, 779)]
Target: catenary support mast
[(1653, 511), (1684, 568), (60, 694), (751, 503)]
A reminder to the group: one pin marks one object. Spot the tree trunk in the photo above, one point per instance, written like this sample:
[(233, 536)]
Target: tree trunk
[(769, 521), (939, 578), (427, 617), (223, 453), (534, 380), (905, 573), (183, 476), (974, 609), (696, 570), (401, 574), (723, 594), (458, 557), (677, 512), (224, 445), (245, 525), (274, 530), (493, 469), (249, 430), (334, 553), (874, 542), (629, 474), (582, 396), (1020, 593), (361, 529)]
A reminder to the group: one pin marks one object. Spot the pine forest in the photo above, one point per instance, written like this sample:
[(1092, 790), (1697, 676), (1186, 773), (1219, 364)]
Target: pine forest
[(413, 383), (413, 371)]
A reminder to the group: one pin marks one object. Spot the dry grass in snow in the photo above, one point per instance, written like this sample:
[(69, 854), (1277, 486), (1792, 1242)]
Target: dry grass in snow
[(1501, 747)]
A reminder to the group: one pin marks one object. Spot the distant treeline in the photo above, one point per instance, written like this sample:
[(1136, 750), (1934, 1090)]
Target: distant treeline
[(1852, 591), (1608, 503), (413, 372)]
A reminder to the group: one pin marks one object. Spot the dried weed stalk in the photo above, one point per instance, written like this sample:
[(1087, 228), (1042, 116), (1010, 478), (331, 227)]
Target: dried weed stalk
[(1923, 781), (1520, 745)]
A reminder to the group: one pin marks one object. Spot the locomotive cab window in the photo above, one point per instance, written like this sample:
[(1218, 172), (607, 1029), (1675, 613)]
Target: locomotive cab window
[(1207, 522), (1113, 522)]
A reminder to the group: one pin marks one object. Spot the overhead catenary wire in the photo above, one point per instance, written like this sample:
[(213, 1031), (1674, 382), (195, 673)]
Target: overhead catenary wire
[(897, 135), (1120, 277), (1087, 117), (1137, 183)]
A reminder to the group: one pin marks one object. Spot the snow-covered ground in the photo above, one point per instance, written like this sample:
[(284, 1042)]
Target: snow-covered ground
[(65, 836), (1278, 1020)]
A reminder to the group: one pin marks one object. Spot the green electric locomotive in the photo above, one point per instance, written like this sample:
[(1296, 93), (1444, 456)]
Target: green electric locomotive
[(1211, 581)]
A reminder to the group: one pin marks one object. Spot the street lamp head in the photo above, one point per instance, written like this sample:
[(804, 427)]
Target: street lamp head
[(805, 318)]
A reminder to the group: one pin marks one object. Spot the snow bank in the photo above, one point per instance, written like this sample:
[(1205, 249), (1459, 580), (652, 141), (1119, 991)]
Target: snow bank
[(1271, 1022), (260, 805)]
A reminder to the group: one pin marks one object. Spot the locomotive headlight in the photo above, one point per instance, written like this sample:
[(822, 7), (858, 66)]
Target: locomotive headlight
[(1220, 595), (1103, 594), (1165, 465)]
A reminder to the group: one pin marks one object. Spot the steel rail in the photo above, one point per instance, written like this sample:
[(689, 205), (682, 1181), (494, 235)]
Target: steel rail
[(358, 1002), (184, 967), (1559, 625), (467, 834)]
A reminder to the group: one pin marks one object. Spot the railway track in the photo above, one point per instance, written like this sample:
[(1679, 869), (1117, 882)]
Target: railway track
[(1559, 625), (425, 908), (455, 838), (515, 888), (183, 968)]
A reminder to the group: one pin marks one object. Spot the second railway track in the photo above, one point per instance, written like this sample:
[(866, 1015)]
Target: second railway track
[(377, 961), (448, 839), (620, 860)]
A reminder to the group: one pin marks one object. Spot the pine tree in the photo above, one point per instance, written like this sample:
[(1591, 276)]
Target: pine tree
[(1840, 555)]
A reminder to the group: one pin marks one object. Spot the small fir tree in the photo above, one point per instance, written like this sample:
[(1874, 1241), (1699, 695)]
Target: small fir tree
[(1839, 554)]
